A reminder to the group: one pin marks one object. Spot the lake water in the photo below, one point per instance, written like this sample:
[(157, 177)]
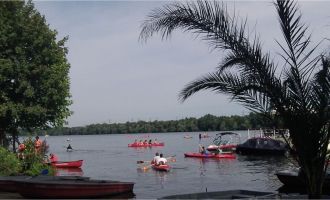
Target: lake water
[(108, 157)]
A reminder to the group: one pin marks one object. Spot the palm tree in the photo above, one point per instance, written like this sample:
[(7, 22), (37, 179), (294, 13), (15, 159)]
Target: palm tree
[(299, 91)]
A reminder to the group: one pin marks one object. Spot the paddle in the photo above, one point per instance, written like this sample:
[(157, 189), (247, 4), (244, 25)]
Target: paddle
[(142, 161), (170, 159)]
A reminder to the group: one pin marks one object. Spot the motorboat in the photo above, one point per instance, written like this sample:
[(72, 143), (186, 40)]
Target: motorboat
[(226, 141), (262, 146)]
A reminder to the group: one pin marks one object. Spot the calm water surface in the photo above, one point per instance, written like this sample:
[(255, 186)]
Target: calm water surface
[(108, 157)]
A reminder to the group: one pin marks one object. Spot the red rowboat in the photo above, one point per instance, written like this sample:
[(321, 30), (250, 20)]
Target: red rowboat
[(67, 164), (221, 155), (161, 144), (8, 183), (165, 167), (79, 188)]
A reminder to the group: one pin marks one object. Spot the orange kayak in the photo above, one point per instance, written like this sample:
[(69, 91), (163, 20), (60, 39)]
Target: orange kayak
[(165, 168)]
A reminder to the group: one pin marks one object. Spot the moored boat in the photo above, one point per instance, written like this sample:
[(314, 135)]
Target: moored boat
[(165, 167), (67, 164), (291, 179), (211, 155), (226, 141), (262, 146), (80, 188), (146, 145), (7, 183), (229, 194)]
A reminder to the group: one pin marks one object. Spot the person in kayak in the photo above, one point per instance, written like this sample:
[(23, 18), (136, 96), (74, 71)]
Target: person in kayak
[(202, 150), (156, 142), (53, 157), (69, 148), (161, 160), (155, 159), (150, 141)]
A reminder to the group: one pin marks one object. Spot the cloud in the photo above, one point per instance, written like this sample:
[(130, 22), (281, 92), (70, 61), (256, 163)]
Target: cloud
[(116, 78)]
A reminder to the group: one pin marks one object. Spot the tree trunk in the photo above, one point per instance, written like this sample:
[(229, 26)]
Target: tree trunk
[(314, 181), (2, 138)]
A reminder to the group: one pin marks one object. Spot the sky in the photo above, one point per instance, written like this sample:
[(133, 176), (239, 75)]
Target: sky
[(116, 78)]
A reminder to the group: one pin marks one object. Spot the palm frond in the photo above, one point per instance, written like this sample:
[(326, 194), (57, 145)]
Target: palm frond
[(241, 90), (297, 54), (320, 98)]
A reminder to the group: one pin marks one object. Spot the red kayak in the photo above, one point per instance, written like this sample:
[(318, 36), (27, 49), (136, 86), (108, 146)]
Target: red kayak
[(221, 155), (164, 168), (67, 164), (161, 144)]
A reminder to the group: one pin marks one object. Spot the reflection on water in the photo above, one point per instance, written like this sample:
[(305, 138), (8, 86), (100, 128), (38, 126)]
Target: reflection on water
[(69, 172)]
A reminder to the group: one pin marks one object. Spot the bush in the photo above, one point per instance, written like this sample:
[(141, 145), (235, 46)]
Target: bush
[(10, 165), (33, 163)]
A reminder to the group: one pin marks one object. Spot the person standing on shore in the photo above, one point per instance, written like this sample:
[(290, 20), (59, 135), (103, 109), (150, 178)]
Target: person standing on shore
[(37, 145)]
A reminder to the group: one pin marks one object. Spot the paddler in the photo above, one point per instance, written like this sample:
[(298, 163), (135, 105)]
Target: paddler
[(161, 160), (53, 158), (155, 159), (69, 148), (202, 150)]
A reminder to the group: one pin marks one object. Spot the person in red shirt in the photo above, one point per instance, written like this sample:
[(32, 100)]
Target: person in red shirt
[(53, 158)]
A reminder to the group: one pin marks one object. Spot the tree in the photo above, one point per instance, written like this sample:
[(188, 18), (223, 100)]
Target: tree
[(34, 71), (298, 92)]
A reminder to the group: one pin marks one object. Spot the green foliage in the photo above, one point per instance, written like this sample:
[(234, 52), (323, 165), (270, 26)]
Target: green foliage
[(10, 165), (34, 70), (205, 123)]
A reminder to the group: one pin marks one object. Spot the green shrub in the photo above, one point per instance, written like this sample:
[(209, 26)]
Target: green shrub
[(33, 163), (10, 165)]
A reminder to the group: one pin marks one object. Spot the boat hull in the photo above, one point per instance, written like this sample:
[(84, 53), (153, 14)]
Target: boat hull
[(60, 189), (164, 168), (219, 156), (291, 179), (68, 164), (8, 183), (262, 146), (254, 151)]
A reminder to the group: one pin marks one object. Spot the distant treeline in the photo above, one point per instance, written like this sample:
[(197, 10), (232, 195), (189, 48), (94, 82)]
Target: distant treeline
[(205, 123)]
